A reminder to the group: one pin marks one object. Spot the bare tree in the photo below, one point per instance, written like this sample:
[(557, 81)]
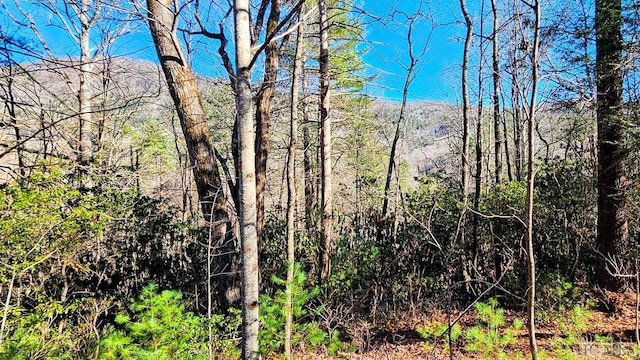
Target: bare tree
[(531, 120), (263, 101), (310, 169), (265, 91), (93, 26), (11, 104), (82, 10), (479, 141), (464, 168), (516, 49), (291, 186), (325, 144), (414, 59), (497, 126), (465, 139), (195, 127)]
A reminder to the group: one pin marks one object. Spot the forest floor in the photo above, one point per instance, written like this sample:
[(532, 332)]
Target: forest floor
[(605, 330)]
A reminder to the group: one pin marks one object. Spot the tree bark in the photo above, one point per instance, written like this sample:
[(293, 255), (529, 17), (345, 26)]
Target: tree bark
[(310, 177), (85, 151), (507, 153), (325, 144), (309, 160), (475, 246), (613, 232), (497, 127), (195, 127), (464, 171), (464, 168), (531, 262), (517, 132), (247, 182), (10, 108), (291, 189), (263, 108), (516, 103)]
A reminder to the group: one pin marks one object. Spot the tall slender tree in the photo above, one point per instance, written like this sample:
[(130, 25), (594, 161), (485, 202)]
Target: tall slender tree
[(531, 121), (9, 73), (89, 23), (516, 49), (263, 102), (291, 186), (85, 152), (263, 97), (479, 141), (325, 144), (195, 127), (414, 59), (309, 159), (497, 126), (465, 142), (613, 232), (246, 181), (464, 169)]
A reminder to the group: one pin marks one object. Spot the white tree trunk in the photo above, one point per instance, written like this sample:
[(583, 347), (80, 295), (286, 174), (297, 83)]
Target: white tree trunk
[(247, 182), (85, 151)]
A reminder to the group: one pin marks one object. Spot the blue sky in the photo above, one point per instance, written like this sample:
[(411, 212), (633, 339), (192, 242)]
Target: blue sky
[(385, 35), (438, 71)]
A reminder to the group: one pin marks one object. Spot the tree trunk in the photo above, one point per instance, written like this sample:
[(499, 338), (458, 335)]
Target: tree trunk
[(195, 127), (517, 134), (263, 108), (497, 127), (10, 108), (325, 144), (310, 156), (464, 171), (413, 60), (85, 151), (478, 175), (515, 101), (507, 153), (291, 189), (464, 168), (247, 182), (531, 263), (613, 232), (310, 179)]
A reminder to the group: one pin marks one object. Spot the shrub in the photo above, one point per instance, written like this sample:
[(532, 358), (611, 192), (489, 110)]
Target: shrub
[(490, 338), (304, 331), (47, 332), (72, 252), (157, 327), (436, 331)]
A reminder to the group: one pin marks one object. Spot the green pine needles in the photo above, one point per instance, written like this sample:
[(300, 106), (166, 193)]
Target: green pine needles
[(156, 328), (491, 337), (306, 334)]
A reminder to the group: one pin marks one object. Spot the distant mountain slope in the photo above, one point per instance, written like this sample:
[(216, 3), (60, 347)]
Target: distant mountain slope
[(430, 131)]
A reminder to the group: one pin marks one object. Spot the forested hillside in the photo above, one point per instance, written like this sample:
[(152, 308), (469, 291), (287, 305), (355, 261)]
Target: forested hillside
[(213, 180)]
